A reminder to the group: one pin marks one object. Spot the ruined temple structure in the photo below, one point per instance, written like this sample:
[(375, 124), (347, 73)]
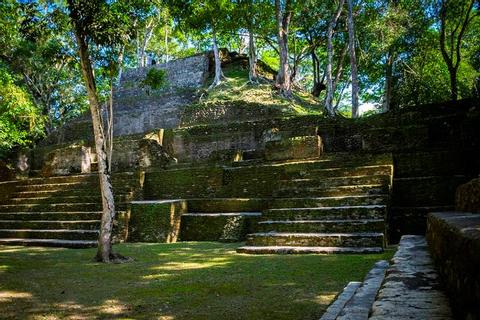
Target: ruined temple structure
[(297, 184)]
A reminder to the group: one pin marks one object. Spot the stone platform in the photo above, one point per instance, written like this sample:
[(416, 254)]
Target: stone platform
[(409, 288)]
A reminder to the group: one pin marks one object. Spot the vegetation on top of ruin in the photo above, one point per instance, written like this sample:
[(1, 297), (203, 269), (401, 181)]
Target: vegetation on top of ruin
[(237, 92)]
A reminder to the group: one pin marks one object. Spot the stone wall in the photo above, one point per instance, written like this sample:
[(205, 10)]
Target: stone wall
[(454, 242), (138, 109), (155, 221)]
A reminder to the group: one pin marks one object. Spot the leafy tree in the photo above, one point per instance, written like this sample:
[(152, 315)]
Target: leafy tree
[(20, 121), (455, 18)]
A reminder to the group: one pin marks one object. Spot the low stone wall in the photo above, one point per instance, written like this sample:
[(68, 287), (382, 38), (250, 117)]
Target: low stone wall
[(454, 242), (155, 221)]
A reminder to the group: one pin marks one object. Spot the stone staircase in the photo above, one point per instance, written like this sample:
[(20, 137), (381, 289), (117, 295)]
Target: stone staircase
[(60, 211), (322, 209)]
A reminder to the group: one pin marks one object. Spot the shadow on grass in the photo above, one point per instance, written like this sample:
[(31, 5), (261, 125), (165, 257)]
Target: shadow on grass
[(172, 281)]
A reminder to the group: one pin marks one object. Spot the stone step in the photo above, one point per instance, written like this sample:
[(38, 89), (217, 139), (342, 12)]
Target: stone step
[(222, 214), (341, 191), (56, 186), (317, 226), (87, 192), (88, 206), (50, 224), (359, 305), (227, 205), (329, 160), (52, 216), (340, 172), (77, 244), (64, 199), (312, 202), (355, 239), (88, 177), (336, 181), (329, 213), (55, 207), (306, 250), (61, 179), (62, 234), (67, 186), (412, 288)]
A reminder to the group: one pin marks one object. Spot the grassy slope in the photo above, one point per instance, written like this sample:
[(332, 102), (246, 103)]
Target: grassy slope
[(173, 281), (236, 90)]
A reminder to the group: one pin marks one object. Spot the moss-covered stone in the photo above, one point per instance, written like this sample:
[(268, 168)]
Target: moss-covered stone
[(454, 242), (467, 196), (305, 147), (228, 227), (155, 221)]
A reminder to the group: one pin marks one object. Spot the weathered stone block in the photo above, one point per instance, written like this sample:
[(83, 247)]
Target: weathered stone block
[(467, 197), (454, 242), (155, 221), (294, 148), (228, 227)]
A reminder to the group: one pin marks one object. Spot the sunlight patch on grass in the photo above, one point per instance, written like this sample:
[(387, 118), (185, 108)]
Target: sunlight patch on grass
[(8, 296)]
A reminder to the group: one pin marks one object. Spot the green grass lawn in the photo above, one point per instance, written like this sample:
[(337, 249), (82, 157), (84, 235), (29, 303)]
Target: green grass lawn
[(189, 280)]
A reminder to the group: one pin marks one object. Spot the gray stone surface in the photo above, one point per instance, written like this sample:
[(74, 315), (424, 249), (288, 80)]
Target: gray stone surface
[(359, 306), (411, 289), (138, 109), (337, 306)]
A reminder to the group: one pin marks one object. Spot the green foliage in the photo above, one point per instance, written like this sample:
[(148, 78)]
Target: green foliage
[(155, 79), (20, 121)]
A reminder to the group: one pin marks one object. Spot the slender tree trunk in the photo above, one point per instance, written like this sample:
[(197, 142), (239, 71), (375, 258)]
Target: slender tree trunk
[(104, 252), (339, 69), (146, 38), (252, 57), (283, 21), (120, 64), (453, 84), (166, 44), (353, 60), (330, 91), (387, 100), (218, 63)]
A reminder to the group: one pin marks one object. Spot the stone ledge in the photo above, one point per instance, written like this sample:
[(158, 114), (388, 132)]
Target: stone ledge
[(454, 241), (411, 289)]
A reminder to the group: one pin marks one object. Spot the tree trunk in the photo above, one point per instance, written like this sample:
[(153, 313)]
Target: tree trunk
[(330, 91), (387, 100), (339, 70), (283, 83), (353, 60), (218, 64), (146, 38), (455, 43), (453, 84), (104, 253), (252, 57), (166, 44), (120, 64)]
